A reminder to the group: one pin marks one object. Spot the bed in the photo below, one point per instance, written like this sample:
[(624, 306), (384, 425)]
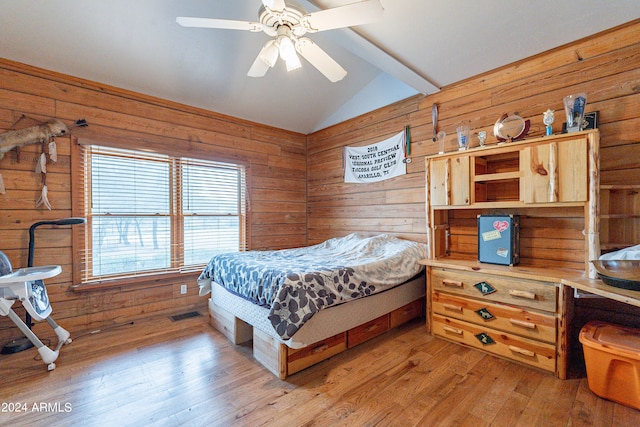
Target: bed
[(303, 305)]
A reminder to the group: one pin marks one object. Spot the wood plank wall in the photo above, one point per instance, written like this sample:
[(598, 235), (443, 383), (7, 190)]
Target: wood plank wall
[(277, 179), (605, 66)]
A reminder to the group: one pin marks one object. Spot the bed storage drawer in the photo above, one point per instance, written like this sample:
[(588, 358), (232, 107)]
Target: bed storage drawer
[(299, 359), (513, 347), (404, 314), (519, 321), (510, 290), (368, 330)]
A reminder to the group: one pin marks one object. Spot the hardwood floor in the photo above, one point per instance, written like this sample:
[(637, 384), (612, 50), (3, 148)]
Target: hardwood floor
[(160, 372)]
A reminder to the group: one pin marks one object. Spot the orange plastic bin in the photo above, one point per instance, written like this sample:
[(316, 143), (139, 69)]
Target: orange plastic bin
[(612, 357)]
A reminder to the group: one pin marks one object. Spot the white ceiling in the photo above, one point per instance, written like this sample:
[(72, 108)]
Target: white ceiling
[(417, 47)]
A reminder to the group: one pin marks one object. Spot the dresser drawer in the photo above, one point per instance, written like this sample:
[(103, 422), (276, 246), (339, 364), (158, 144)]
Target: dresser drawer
[(530, 352), (405, 313), (510, 290), (368, 330), (503, 317), (298, 359)]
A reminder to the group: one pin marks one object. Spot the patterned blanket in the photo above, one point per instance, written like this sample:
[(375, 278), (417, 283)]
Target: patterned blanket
[(296, 283)]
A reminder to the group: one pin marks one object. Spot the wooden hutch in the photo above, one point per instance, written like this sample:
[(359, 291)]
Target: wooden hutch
[(552, 184)]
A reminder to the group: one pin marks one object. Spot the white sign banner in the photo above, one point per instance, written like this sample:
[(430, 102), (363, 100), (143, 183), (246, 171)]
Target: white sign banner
[(376, 162)]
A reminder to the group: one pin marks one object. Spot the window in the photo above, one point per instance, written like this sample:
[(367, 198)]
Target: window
[(150, 213)]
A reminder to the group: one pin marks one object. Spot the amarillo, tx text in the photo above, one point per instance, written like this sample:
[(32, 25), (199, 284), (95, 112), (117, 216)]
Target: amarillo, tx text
[(375, 163)]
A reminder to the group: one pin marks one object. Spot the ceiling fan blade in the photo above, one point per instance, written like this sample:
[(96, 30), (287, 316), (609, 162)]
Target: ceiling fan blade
[(320, 59), (362, 12), (260, 66), (274, 4), (226, 24)]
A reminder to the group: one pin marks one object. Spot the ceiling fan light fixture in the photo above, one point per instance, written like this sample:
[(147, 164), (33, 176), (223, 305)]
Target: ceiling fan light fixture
[(287, 24), (293, 63), (269, 53), (287, 50)]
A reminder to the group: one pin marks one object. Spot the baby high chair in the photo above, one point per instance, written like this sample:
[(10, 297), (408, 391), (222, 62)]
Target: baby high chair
[(26, 285)]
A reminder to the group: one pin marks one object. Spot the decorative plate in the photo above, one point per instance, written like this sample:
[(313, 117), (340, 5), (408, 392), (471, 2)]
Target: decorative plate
[(511, 128)]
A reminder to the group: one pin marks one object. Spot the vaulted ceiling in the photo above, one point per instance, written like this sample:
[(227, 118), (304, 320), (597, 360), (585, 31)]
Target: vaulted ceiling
[(418, 46)]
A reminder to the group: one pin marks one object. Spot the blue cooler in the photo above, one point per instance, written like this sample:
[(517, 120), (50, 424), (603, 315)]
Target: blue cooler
[(499, 239)]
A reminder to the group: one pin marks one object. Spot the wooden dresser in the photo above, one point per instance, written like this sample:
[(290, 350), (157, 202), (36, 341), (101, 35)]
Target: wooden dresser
[(518, 312)]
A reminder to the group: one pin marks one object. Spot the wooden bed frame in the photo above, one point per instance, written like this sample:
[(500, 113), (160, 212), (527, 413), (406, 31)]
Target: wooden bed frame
[(283, 361)]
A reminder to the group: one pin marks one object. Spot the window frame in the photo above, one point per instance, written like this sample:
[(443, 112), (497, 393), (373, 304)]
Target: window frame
[(81, 236)]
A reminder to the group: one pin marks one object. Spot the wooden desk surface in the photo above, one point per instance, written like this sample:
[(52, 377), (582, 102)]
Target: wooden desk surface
[(598, 287)]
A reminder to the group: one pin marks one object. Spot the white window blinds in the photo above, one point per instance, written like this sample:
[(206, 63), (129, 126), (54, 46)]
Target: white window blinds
[(148, 213)]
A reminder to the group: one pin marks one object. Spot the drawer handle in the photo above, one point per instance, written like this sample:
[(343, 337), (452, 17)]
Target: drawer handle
[(522, 351), (453, 330), (452, 283), (371, 328), (522, 294), (522, 323), (452, 307), (320, 348)]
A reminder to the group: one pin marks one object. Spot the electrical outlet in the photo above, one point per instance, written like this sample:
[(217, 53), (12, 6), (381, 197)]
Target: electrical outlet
[(183, 289)]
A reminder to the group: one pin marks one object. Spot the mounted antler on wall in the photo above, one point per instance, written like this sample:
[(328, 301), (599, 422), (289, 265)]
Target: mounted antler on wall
[(36, 134), (40, 133)]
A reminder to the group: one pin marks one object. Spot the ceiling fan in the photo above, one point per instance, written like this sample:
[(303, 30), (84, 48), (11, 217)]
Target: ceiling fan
[(287, 24)]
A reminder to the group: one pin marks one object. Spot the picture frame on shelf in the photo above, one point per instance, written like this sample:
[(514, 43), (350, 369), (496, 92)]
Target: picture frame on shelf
[(591, 120)]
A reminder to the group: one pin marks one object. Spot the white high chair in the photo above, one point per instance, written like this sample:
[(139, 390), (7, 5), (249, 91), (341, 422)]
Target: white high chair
[(26, 285)]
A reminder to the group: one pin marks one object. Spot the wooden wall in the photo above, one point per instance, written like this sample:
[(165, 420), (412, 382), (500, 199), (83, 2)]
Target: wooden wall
[(277, 180), (605, 66)]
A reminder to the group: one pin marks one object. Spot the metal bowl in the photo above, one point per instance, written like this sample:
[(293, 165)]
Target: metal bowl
[(628, 269), (623, 274)]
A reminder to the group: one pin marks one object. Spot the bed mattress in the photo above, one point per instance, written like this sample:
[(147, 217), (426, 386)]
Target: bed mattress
[(328, 322), (296, 284)]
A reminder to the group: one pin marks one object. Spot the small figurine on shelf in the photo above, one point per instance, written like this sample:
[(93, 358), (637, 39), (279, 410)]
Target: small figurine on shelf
[(548, 121), (482, 137)]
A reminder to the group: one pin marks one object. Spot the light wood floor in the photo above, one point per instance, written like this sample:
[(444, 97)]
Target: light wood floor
[(184, 373)]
